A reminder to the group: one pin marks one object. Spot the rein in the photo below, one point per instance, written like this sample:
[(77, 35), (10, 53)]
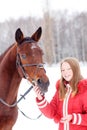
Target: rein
[(14, 104)]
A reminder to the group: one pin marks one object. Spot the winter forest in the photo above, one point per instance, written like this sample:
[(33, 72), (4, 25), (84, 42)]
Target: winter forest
[(63, 34)]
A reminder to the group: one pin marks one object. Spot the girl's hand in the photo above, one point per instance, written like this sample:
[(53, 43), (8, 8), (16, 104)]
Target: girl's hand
[(68, 118), (38, 92)]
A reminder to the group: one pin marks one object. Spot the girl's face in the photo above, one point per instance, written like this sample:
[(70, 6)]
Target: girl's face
[(66, 71)]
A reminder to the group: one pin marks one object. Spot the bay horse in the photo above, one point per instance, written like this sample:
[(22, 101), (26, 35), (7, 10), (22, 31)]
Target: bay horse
[(23, 59)]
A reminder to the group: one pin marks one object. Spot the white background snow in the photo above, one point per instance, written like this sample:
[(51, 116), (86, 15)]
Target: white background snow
[(29, 107)]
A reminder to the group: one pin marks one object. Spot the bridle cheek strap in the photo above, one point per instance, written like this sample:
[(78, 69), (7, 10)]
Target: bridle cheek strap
[(21, 72), (20, 68)]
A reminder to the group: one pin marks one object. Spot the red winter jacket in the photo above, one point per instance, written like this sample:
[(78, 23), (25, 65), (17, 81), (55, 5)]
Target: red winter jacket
[(77, 106)]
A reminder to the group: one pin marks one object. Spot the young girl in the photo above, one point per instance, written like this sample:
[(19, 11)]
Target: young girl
[(68, 106)]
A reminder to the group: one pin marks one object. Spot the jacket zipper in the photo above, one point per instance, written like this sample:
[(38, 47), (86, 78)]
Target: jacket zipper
[(65, 106)]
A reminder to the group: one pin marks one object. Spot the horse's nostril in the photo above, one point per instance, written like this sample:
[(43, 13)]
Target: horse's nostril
[(39, 81)]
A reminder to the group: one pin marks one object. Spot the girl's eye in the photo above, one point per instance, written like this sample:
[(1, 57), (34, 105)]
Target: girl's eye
[(23, 56), (69, 69), (65, 69)]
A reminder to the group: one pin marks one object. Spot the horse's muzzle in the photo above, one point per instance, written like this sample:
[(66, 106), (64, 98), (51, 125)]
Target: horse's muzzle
[(43, 85)]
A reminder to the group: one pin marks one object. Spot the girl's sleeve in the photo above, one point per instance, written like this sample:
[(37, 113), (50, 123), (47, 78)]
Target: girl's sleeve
[(49, 109), (81, 118)]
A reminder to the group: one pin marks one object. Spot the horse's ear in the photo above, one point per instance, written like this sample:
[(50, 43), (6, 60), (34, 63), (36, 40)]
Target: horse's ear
[(36, 36), (19, 35)]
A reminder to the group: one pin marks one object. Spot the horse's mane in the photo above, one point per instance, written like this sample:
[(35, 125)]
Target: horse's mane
[(3, 54)]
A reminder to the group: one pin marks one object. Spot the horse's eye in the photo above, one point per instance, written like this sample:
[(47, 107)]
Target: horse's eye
[(23, 56)]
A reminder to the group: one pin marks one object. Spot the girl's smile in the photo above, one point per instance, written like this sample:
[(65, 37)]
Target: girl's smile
[(66, 71)]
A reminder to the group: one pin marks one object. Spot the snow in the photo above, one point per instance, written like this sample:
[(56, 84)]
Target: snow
[(29, 107)]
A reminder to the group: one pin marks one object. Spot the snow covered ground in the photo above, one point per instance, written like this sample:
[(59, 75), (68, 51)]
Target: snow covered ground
[(29, 107)]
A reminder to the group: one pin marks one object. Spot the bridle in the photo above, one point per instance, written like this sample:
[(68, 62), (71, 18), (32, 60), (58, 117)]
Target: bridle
[(21, 68), (23, 74)]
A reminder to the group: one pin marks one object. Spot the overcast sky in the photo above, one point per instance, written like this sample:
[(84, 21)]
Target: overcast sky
[(23, 8)]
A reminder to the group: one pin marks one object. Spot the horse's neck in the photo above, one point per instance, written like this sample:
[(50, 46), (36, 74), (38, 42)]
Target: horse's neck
[(9, 77), (3, 54)]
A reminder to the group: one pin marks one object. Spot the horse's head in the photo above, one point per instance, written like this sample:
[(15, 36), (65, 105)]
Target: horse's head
[(29, 59)]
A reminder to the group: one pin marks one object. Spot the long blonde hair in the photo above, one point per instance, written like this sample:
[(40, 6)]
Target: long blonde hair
[(74, 64)]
